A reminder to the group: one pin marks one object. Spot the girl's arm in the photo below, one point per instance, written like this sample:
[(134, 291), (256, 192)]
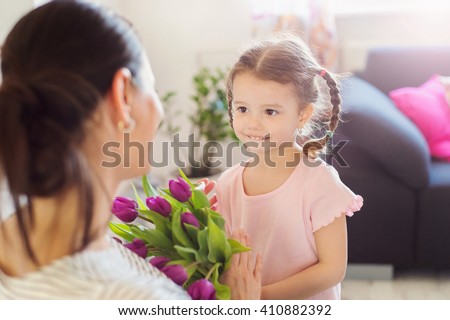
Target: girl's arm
[(331, 243)]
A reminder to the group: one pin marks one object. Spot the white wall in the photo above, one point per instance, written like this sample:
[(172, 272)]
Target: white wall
[(182, 36), (10, 12), (360, 32)]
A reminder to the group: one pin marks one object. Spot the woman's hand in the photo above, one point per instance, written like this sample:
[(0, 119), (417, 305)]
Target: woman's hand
[(244, 275)]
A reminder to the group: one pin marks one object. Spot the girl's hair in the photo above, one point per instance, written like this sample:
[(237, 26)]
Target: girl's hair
[(57, 63), (286, 59)]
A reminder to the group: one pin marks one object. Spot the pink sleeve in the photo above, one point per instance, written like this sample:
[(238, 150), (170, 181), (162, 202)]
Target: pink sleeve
[(331, 198)]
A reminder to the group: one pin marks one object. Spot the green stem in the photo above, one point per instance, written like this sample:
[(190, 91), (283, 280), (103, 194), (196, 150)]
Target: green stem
[(204, 271), (210, 272), (195, 263), (191, 204)]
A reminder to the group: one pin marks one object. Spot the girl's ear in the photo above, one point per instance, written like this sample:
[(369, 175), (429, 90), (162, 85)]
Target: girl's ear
[(121, 96), (305, 115)]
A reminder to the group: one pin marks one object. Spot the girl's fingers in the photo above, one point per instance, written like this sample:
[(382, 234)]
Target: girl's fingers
[(235, 259), (258, 267), (210, 185), (243, 261), (213, 201), (251, 254)]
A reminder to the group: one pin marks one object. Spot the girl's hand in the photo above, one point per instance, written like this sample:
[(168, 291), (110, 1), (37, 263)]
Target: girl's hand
[(244, 275), (209, 186)]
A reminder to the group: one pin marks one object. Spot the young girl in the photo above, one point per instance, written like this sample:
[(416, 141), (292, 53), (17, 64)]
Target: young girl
[(289, 202)]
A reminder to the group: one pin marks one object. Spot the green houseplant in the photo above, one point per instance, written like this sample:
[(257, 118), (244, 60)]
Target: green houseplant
[(210, 123)]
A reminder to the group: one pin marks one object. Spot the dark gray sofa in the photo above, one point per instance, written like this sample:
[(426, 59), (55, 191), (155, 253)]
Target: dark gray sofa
[(405, 220)]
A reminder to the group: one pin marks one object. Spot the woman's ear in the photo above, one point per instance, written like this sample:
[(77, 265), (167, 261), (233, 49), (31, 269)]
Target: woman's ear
[(121, 96), (305, 115)]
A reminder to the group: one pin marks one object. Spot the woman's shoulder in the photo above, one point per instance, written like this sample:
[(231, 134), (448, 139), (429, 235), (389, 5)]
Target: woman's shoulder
[(128, 276), (112, 273)]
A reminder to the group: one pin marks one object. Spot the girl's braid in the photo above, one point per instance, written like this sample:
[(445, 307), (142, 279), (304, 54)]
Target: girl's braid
[(313, 146), (230, 100), (335, 101)]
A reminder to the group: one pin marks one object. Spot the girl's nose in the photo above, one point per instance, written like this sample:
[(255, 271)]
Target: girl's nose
[(254, 122)]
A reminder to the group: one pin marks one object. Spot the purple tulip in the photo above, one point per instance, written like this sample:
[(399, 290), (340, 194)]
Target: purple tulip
[(160, 205), (159, 262), (202, 290), (180, 189), (138, 247), (125, 209), (175, 272), (189, 218)]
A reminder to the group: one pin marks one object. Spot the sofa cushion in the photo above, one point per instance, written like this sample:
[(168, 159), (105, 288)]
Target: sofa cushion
[(427, 107)]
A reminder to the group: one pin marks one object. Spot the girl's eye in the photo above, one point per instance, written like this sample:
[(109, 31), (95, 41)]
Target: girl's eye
[(242, 109), (271, 112)]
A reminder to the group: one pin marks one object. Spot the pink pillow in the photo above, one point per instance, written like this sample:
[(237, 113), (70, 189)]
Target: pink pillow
[(427, 107)]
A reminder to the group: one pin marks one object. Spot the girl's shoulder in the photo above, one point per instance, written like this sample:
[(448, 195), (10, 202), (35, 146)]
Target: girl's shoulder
[(317, 169)]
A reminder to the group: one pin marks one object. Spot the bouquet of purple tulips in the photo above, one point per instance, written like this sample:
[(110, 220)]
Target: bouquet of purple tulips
[(182, 236)]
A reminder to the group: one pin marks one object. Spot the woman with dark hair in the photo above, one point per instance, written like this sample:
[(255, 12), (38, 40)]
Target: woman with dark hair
[(75, 77)]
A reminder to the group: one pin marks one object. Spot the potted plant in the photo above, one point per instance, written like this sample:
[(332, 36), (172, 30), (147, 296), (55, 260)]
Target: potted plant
[(210, 123), (168, 123)]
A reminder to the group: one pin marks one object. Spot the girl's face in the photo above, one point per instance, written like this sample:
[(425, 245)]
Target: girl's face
[(264, 111)]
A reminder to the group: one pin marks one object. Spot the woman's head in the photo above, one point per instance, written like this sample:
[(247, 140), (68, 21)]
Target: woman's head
[(287, 61), (65, 65)]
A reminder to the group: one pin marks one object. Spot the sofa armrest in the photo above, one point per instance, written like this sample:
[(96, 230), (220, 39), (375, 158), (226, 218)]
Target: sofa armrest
[(374, 124)]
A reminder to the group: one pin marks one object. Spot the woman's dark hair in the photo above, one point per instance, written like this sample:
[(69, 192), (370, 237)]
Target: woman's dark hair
[(57, 64)]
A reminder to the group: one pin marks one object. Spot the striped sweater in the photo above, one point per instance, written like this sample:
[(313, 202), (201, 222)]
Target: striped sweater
[(114, 273)]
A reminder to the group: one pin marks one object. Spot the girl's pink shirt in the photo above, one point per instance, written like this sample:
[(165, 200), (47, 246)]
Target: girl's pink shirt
[(281, 223)]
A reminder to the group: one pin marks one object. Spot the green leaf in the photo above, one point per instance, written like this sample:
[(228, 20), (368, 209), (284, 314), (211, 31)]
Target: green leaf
[(199, 199), (178, 232), (148, 188), (223, 292), (193, 233), (202, 238), (155, 238), (218, 246), (141, 204), (161, 223), (181, 262), (237, 247), (187, 253), (122, 230), (217, 218)]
